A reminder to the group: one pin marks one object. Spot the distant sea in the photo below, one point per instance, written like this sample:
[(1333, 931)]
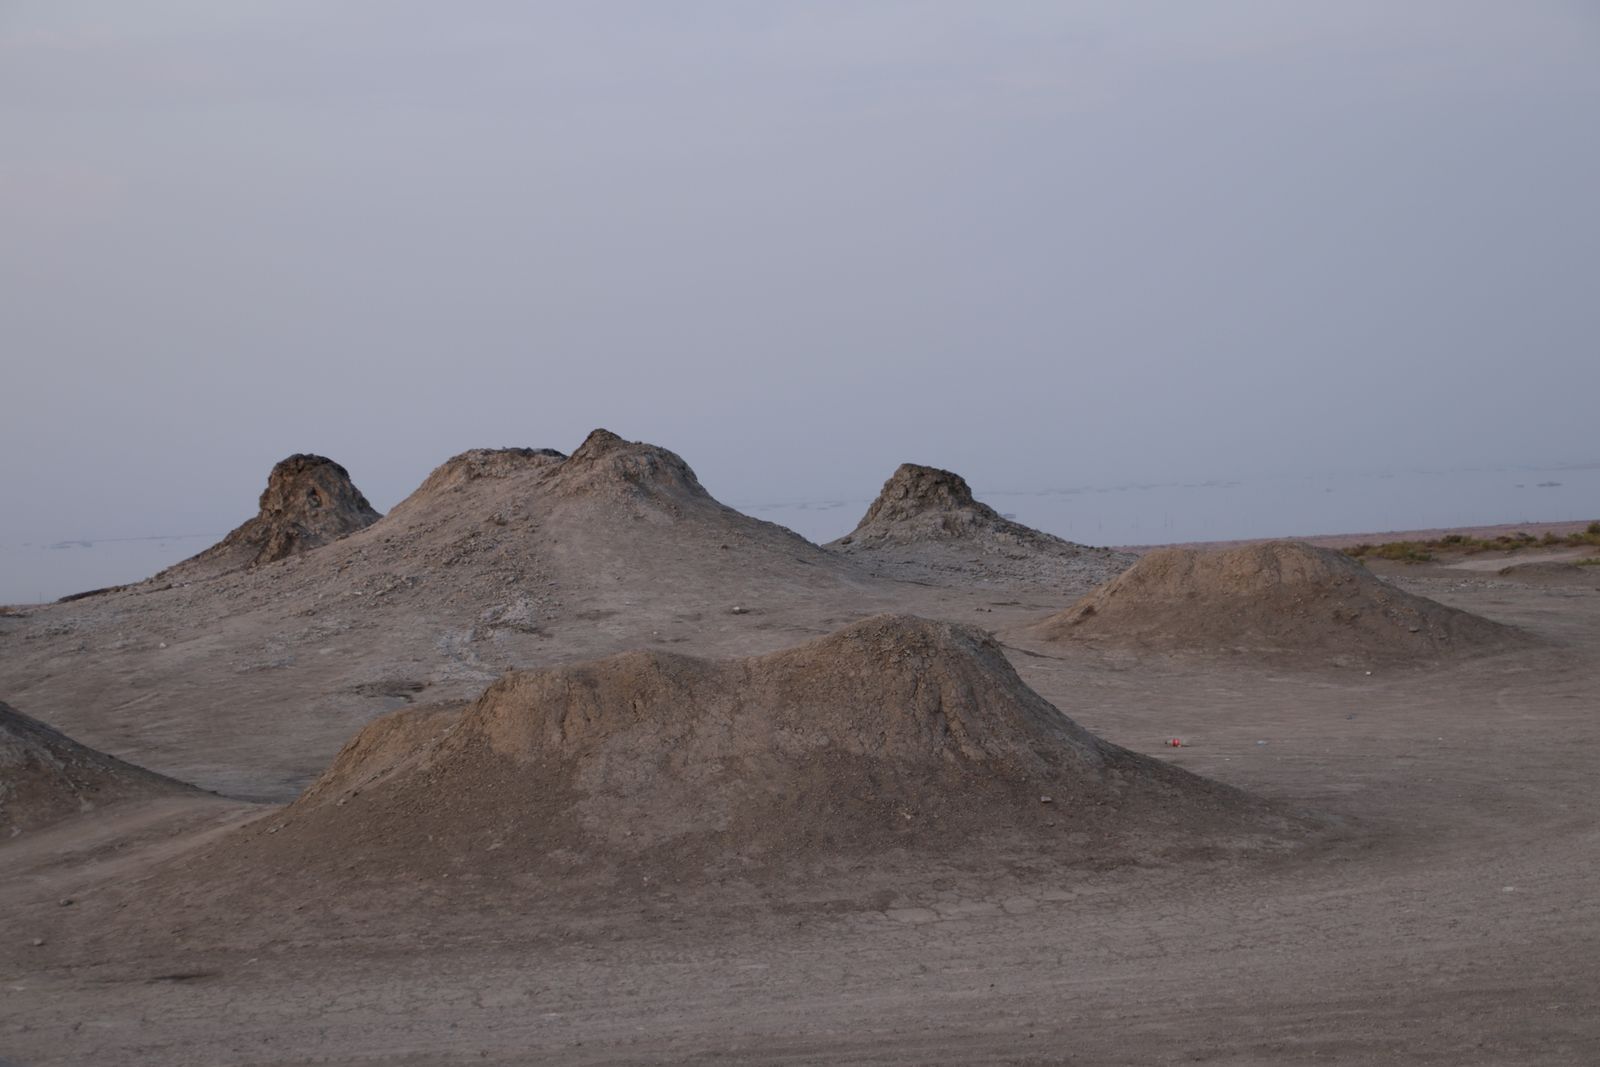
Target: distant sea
[(1145, 513), (1135, 513)]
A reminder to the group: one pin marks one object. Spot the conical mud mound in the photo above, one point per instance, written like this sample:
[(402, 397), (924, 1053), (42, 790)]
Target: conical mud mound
[(894, 731), (1284, 598), (919, 504), (926, 523), (46, 776), (309, 501)]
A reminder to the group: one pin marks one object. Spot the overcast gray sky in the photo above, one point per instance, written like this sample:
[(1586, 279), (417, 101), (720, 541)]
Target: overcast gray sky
[(1039, 242)]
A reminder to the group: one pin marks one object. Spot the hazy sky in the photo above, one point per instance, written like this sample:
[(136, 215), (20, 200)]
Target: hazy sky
[(1041, 243)]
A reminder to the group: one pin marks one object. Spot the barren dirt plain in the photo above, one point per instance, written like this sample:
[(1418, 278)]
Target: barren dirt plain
[(1390, 861)]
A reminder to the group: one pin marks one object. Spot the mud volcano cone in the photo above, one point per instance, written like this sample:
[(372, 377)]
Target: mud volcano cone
[(309, 501), (894, 732), (46, 776), (920, 503), (1283, 598), (925, 525)]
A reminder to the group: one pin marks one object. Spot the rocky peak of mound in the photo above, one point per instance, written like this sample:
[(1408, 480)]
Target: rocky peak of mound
[(893, 731), (1281, 597), (309, 501), (925, 504), (45, 775), (607, 467)]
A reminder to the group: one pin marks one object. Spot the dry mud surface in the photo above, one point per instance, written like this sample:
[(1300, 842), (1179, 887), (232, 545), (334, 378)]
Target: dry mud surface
[(1275, 601), (1392, 867)]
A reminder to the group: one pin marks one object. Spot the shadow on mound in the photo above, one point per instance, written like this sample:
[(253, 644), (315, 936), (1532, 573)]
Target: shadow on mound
[(1283, 598), (46, 776), (895, 733)]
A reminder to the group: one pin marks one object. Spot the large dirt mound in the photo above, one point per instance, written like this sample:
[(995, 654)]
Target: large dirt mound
[(925, 524), (309, 501), (45, 775), (1282, 597), (893, 731)]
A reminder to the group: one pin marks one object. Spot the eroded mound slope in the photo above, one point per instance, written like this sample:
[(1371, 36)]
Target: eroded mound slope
[(926, 523), (1279, 597), (45, 775), (309, 501), (895, 730)]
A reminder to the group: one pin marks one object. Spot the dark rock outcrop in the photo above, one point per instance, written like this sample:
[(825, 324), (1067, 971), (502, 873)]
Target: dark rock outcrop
[(309, 501)]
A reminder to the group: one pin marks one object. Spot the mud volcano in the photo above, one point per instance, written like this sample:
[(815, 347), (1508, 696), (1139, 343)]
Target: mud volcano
[(1282, 598), (895, 731), (920, 504), (46, 776), (925, 523), (309, 501)]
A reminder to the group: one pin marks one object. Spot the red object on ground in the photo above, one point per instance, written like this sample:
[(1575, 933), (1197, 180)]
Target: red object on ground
[(1176, 742)]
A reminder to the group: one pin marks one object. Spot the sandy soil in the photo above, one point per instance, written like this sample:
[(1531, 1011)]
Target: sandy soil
[(1446, 916)]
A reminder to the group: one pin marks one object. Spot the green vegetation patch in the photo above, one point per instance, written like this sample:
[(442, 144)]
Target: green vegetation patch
[(1465, 545)]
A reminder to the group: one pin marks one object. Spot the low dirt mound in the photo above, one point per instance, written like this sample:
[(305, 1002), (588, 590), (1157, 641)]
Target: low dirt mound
[(1281, 597), (309, 501), (894, 731), (925, 523), (1554, 572), (46, 776)]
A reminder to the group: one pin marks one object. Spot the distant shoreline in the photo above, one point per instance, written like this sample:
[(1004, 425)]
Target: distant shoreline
[(1537, 529)]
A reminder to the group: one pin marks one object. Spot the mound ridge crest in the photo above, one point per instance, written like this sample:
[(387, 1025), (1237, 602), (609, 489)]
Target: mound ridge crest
[(1283, 597), (477, 465)]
